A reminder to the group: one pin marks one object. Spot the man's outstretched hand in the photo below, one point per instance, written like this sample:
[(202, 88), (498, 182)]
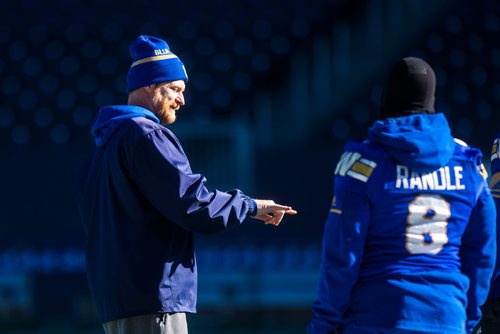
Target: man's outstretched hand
[(272, 213)]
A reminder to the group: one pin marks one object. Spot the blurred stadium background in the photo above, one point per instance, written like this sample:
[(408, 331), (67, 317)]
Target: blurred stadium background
[(275, 90)]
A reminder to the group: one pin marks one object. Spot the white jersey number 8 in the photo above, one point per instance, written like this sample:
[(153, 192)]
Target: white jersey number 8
[(427, 225)]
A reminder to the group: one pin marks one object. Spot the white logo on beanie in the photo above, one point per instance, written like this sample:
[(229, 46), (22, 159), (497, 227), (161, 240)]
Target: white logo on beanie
[(159, 52)]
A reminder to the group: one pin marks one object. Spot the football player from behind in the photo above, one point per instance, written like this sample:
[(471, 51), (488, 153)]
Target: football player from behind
[(409, 244)]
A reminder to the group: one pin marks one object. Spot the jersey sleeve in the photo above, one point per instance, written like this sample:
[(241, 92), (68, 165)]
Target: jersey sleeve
[(343, 244), (495, 190), (495, 173), (162, 171), (478, 255)]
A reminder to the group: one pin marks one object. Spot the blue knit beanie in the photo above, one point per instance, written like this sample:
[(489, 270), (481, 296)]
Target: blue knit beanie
[(153, 62)]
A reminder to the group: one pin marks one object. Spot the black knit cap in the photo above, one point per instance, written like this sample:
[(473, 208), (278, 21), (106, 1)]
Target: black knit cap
[(409, 89)]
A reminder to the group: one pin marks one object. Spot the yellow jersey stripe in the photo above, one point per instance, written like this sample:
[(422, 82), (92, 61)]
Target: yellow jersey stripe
[(495, 179), (362, 169)]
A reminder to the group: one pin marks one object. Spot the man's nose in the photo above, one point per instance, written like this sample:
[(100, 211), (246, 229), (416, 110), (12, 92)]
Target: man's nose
[(180, 99)]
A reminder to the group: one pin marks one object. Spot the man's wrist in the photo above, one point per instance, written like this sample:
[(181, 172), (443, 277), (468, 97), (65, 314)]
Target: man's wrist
[(252, 207)]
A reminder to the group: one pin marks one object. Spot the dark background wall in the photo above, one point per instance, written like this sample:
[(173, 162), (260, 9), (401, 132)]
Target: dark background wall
[(275, 89)]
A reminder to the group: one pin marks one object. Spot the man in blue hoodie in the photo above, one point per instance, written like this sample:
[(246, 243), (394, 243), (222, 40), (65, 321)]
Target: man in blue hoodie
[(409, 244), (141, 203)]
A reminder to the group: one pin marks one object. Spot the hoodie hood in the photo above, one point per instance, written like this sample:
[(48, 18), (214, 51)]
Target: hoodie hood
[(421, 142), (108, 119)]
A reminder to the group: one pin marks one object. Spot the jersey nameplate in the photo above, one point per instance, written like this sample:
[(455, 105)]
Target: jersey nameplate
[(444, 178)]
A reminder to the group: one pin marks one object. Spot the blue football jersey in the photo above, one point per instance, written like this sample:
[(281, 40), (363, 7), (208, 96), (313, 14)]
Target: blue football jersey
[(409, 243)]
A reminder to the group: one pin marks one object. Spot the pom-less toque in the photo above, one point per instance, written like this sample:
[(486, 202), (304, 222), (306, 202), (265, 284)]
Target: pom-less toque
[(153, 62)]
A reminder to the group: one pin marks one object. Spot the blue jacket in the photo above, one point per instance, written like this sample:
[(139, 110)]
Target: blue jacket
[(409, 243), (140, 204)]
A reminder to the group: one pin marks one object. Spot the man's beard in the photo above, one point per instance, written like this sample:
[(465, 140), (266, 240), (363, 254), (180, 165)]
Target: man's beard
[(163, 111)]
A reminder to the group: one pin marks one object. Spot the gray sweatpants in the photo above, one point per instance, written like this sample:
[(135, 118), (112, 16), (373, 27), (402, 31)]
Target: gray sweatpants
[(161, 323)]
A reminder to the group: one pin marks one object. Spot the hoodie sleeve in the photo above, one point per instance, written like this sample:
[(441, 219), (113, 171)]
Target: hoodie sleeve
[(478, 255), (343, 247), (162, 172)]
